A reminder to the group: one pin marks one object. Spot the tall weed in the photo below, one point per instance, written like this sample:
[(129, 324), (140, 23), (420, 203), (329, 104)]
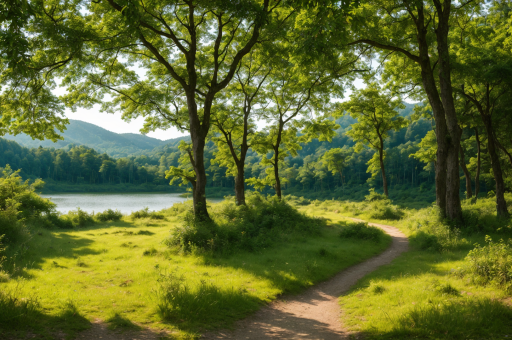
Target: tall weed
[(490, 264), (179, 300), (145, 213)]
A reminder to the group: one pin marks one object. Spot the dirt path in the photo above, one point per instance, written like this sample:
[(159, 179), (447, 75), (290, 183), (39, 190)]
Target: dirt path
[(314, 314)]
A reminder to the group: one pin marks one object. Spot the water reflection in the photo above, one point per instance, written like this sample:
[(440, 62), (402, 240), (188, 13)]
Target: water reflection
[(125, 202)]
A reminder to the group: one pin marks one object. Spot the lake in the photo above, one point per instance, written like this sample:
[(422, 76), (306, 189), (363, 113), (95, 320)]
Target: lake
[(125, 202)]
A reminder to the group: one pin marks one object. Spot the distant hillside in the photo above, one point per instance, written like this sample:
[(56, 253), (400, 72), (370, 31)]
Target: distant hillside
[(114, 144)]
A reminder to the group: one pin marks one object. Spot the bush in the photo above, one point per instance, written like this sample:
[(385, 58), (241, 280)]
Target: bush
[(426, 241), (362, 231), (79, 218), (375, 196), (109, 215), (250, 227), (145, 213), (56, 220), (11, 226), (490, 264), (384, 210), (16, 192)]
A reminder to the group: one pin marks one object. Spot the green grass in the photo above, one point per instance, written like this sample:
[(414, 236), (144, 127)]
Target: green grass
[(121, 273), (418, 297), (421, 294)]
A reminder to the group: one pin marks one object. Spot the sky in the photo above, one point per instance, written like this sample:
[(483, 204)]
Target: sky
[(114, 123)]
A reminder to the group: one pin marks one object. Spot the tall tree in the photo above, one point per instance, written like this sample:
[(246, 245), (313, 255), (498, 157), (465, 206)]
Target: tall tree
[(234, 119), (376, 116), (414, 35), (35, 46), (190, 51), (484, 70)]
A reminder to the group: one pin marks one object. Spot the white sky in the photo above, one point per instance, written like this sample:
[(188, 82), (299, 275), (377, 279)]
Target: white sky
[(114, 123)]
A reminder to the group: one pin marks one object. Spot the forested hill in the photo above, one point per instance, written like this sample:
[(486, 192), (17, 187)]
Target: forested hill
[(82, 168), (104, 141)]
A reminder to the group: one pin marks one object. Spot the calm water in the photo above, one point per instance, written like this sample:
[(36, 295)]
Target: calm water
[(126, 202)]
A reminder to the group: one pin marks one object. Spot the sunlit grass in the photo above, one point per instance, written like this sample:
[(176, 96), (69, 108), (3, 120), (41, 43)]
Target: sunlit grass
[(420, 294), (420, 297), (116, 272)]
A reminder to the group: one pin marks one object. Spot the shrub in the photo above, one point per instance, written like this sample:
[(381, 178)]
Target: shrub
[(109, 215), (56, 220), (490, 264), (250, 227), (11, 227), (79, 218), (386, 211), (362, 231), (145, 213), (426, 241), (375, 196)]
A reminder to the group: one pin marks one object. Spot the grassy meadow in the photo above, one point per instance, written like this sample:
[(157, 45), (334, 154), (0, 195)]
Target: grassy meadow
[(432, 291), (125, 273)]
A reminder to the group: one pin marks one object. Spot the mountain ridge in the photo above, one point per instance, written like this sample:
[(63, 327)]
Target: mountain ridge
[(102, 140)]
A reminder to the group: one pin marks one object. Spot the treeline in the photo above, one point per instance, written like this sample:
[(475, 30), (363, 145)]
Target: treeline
[(410, 175)]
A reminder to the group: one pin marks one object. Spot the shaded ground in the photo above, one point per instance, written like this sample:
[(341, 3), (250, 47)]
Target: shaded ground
[(314, 314)]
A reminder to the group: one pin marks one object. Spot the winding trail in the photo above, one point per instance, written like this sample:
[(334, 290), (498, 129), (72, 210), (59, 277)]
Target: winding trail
[(314, 314)]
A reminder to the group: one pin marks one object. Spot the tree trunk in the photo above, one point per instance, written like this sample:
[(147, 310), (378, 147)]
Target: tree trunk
[(501, 204), (240, 185), (430, 87), (478, 161), (198, 136), (384, 180), (467, 175), (453, 205), (276, 174)]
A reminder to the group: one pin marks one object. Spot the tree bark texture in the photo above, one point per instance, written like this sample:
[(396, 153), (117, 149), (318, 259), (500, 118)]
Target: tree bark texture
[(453, 205), (467, 175), (381, 160), (501, 204), (478, 162)]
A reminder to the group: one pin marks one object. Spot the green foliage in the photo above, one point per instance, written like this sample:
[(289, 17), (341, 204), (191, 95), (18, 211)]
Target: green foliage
[(375, 196), (79, 218), (425, 241), (376, 288), (252, 227), (4, 277), (109, 215), (490, 264), (428, 150), (145, 213), (180, 300), (361, 231), (18, 203), (17, 312), (21, 195), (453, 320)]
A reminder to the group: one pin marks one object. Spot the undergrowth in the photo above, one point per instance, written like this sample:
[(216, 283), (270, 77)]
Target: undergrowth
[(248, 227), (362, 231)]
